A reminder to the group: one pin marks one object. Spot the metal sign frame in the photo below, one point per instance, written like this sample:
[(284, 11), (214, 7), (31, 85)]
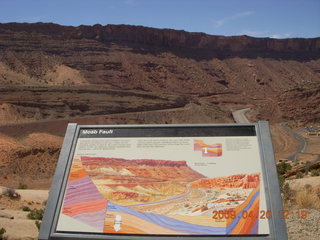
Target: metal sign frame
[(272, 191)]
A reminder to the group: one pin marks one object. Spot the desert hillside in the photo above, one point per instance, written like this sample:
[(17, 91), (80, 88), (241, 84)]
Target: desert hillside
[(138, 58), (119, 74)]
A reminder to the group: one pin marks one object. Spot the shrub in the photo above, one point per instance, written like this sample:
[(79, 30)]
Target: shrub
[(299, 175), (36, 214), (287, 192), (308, 164), (307, 199), (317, 191), (308, 187), (281, 181), (38, 224), (314, 173), (26, 209), (283, 167), (22, 186), (2, 231)]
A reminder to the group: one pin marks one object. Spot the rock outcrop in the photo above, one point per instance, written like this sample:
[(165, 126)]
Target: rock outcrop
[(167, 37)]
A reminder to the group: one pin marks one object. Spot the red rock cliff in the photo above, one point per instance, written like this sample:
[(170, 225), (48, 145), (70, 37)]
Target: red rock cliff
[(168, 37)]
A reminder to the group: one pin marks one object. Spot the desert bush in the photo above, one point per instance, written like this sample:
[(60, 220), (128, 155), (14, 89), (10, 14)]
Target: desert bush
[(36, 214), (38, 224), (317, 191), (22, 186), (307, 199), (283, 167), (287, 192), (308, 164), (2, 231), (26, 209), (314, 173), (299, 175), (281, 181), (308, 187)]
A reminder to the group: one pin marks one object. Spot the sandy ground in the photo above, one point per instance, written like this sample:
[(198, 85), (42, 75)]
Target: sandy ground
[(19, 227), (299, 184), (304, 229), (14, 220)]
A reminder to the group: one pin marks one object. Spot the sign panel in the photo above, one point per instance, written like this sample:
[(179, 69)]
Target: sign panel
[(166, 181)]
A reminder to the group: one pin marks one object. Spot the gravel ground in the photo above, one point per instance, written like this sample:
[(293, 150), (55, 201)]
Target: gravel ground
[(304, 229)]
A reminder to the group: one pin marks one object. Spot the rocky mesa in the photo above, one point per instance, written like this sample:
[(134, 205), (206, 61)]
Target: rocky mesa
[(167, 37)]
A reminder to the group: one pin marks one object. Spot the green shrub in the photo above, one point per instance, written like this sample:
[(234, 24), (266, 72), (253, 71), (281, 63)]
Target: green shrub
[(36, 214), (299, 175), (314, 173), (38, 224), (22, 186), (26, 209), (281, 181), (308, 186), (287, 192), (283, 167), (2, 231)]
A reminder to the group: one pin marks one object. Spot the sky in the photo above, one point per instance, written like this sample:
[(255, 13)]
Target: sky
[(257, 18)]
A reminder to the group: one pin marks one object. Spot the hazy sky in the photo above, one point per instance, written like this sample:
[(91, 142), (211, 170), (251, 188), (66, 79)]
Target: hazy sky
[(259, 18)]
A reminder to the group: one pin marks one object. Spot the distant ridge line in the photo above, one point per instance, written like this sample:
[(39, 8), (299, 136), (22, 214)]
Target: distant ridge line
[(168, 37)]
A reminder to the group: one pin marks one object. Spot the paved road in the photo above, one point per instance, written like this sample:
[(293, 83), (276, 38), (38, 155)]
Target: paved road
[(239, 116), (299, 138)]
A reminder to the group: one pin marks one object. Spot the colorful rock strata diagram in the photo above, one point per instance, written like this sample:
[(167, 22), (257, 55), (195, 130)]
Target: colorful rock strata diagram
[(208, 150), (84, 203), (82, 200)]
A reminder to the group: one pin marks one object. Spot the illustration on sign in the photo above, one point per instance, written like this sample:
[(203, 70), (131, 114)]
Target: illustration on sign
[(165, 186), (213, 150)]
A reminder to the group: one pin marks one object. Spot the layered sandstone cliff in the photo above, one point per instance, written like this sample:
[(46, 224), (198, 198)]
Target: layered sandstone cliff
[(167, 37)]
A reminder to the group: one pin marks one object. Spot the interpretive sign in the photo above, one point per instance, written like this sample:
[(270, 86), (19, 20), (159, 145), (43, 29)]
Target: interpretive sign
[(165, 181)]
